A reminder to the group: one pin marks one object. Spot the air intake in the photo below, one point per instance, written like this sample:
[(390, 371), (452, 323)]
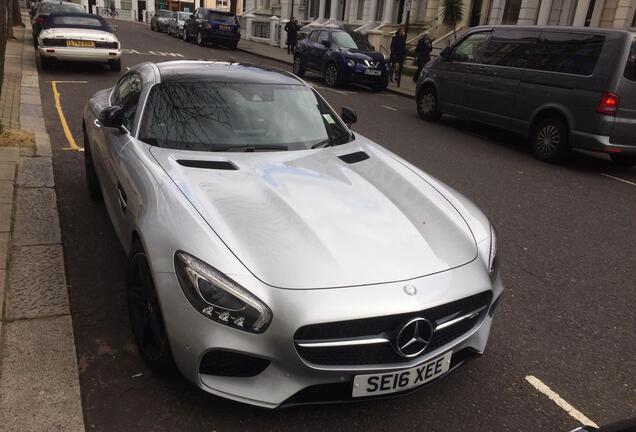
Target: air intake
[(351, 158), (207, 164), (231, 364)]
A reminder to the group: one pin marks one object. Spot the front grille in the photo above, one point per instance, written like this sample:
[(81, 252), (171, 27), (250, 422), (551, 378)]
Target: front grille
[(231, 364), (62, 43), (387, 326)]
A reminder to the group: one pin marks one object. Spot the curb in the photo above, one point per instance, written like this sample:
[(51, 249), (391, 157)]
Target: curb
[(39, 377)]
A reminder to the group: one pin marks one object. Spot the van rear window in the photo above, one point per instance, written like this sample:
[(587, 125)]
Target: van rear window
[(630, 67), (572, 53)]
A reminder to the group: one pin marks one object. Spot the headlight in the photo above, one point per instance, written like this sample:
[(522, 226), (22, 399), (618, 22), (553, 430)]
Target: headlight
[(351, 63), (218, 297), (492, 257)]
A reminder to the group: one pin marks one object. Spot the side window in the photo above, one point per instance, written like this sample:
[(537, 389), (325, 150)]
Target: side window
[(313, 37), (126, 95), (470, 49), (572, 53), (324, 36), (510, 48), (630, 67)]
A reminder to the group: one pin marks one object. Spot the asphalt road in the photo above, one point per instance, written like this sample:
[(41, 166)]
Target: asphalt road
[(568, 248)]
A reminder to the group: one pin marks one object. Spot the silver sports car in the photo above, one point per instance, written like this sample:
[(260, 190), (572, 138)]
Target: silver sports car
[(277, 257)]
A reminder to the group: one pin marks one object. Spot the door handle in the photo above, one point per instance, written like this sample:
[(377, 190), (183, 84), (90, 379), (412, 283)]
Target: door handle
[(122, 198), (97, 123)]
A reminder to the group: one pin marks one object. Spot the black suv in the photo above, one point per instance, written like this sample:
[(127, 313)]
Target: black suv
[(334, 54), (212, 26)]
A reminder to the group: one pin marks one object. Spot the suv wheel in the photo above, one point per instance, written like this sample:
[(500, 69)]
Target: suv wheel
[(200, 41), (550, 141), (145, 313), (427, 105), (184, 35), (332, 77), (623, 159), (298, 66)]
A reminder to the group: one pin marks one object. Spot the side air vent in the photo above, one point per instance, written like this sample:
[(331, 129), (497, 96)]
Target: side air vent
[(358, 156), (206, 164)]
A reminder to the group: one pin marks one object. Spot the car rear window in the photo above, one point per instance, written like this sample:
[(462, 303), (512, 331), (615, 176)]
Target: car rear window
[(163, 13), (57, 7), (225, 19), (70, 21), (630, 67), (571, 53)]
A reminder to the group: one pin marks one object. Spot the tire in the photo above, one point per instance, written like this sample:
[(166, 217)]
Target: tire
[(427, 105), (382, 86), (297, 68), (549, 139), (47, 64), (332, 76), (623, 159), (184, 36), (144, 311), (115, 65), (94, 189), (152, 27), (233, 45), (199, 39)]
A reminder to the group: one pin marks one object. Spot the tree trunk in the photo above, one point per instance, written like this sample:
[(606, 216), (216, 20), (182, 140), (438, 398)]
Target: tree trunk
[(16, 17)]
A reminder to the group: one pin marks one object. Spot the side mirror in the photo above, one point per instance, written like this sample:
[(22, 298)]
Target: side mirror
[(112, 117), (113, 28), (348, 116), (446, 53), (326, 43)]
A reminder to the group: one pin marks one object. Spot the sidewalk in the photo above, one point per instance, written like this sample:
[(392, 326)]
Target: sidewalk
[(407, 86), (39, 382)]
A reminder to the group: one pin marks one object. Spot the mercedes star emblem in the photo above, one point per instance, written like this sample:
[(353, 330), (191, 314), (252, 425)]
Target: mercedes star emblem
[(410, 289), (413, 337)]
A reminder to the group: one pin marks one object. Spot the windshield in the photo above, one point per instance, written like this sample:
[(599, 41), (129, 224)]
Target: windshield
[(343, 40), (76, 22), (216, 116), (630, 67), (47, 8)]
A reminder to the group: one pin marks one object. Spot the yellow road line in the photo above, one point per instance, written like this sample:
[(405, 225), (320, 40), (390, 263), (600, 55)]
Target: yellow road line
[(67, 131)]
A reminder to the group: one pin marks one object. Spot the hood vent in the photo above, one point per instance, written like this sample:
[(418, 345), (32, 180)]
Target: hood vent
[(351, 158), (208, 164)]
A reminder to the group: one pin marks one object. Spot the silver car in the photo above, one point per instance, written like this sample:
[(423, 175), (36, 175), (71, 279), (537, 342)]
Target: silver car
[(275, 256), (175, 24)]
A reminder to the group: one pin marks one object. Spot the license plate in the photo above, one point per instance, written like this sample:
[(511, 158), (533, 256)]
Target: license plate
[(225, 28), (80, 44), (373, 72), (391, 382)]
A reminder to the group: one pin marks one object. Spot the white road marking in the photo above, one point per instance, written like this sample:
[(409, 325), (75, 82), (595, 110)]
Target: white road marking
[(573, 412), (153, 53), (344, 93), (389, 108), (619, 179)]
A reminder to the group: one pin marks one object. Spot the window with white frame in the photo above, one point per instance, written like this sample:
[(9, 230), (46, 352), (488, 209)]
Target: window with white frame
[(221, 3)]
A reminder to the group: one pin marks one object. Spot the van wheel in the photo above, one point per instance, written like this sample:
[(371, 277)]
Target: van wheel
[(550, 141), (145, 314), (623, 159), (427, 105)]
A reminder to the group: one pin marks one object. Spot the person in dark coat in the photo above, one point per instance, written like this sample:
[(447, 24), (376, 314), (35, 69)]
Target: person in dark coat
[(422, 54), (292, 28), (398, 47)]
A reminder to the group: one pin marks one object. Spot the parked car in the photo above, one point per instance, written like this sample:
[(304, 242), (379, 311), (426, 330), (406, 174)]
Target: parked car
[(78, 37), (628, 425), (275, 256), (214, 27), (175, 23), (159, 21), (563, 87), (45, 9), (334, 54)]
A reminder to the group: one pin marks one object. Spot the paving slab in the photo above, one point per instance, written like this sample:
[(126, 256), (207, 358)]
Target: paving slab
[(30, 81), (7, 171), (33, 124), (5, 217), (30, 110), (39, 386), (4, 248), (8, 154), (6, 192), (43, 144), (37, 286), (36, 218), (35, 172)]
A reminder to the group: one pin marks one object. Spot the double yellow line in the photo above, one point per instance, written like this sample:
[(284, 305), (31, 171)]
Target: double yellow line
[(67, 131)]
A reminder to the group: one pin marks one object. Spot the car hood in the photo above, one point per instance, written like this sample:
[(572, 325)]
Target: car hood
[(78, 33), (308, 219), (362, 54)]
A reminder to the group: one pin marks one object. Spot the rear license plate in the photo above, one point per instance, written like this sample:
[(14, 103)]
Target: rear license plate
[(225, 28), (80, 44), (392, 382), (373, 72)]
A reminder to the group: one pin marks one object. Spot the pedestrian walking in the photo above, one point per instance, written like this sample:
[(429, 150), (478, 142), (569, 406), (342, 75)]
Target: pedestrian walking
[(398, 47), (422, 54), (292, 28)]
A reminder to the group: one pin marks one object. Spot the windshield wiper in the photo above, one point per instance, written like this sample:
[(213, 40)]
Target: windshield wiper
[(328, 142), (248, 148)]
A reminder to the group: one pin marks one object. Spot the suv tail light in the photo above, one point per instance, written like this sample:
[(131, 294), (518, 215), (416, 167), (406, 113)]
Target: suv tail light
[(608, 104)]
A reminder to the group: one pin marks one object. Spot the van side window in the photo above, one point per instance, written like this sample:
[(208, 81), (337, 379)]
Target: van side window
[(510, 48), (470, 49), (572, 53), (630, 67)]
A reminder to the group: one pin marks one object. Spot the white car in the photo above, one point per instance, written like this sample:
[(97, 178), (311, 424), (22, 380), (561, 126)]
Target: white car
[(78, 37)]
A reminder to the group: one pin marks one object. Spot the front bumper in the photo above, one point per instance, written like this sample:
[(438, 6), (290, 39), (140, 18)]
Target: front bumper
[(80, 54), (358, 75), (192, 335)]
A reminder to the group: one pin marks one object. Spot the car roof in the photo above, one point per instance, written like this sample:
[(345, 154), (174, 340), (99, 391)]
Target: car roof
[(201, 70), (569, 29), (219, 11)]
